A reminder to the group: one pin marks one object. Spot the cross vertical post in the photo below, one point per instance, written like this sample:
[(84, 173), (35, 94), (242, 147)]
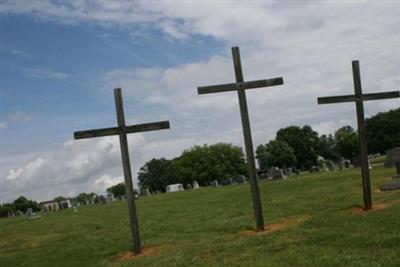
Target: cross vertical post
[(248, 142), (122, 130), (362, 137), (359, 99), (130, 195), (240, 86)]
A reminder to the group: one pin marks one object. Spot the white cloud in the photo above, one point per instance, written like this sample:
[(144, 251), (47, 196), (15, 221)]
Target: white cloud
[(3, 124), (45, 74)]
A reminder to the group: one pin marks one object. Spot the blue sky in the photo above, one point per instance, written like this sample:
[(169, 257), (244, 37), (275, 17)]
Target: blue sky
[(60, 61)]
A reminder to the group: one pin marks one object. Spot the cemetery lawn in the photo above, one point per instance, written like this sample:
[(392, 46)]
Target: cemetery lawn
[(314, 220)]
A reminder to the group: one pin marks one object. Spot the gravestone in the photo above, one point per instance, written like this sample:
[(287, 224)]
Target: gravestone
[(341, 164), (110, 197), (214, 183), (390, 186), (103, 200), (288, 171), (241, 179), (196, 185), (393, 159), (314, 169), (29, 213), (347, 163), (277, 174), (330, 165), (228, 181)]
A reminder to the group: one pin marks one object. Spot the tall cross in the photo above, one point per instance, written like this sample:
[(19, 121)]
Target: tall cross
[(122, 130), (359, 99), (240, 86)]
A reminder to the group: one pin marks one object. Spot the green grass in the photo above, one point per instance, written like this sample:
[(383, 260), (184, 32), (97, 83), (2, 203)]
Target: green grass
[(202, 228)]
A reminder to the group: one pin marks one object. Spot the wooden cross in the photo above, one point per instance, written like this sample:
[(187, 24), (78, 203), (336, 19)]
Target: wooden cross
[(122, 130), (359, 99), (240, 86)]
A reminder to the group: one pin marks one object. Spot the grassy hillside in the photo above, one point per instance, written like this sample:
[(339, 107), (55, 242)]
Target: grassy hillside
[(314, 220)]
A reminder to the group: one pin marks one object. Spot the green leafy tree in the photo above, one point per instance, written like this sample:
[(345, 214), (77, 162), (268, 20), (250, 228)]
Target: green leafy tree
[(117, 190), (6, 208), (383, 131), (60, 198), (327, 147), (347, 142), (304, 142), (22, 204), (156, 174), (209, 162), (275, 154)]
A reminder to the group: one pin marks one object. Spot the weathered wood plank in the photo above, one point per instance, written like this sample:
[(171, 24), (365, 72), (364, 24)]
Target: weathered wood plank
[(336, 99), (97, 133), (234, 86), (353, 98), (384, 95), (130, 195), (146, 127), (248, 142), (362, 137)]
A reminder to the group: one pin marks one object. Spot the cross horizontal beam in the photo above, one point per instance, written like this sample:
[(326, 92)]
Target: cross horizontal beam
[(235, 86), (145, 127), (353, 98)]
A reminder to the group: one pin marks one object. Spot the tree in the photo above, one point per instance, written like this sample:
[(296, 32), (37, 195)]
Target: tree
[(383, 131), (207, 163), (60, 198), (156, 174), (347, 142), (117, 190), (327, 147), (6, 208), (275, 154), (22, 204), (304, 142)]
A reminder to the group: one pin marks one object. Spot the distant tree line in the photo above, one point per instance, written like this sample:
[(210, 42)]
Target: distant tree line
[(300, 146), (199, 163)]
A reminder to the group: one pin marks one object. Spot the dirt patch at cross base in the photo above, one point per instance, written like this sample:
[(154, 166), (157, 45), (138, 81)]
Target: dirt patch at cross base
[(280, 225), (129, 255), (375, 207)]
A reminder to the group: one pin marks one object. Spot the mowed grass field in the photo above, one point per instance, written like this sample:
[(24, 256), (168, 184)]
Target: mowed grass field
[(313, 220)]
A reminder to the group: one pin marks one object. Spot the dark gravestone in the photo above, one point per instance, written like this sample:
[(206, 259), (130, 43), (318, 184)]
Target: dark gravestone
[(393, 160), (241, 179), (288, 171), (228, 181), (214, 183), (392, 156), (347, 163), (330, 165), (390, 186)]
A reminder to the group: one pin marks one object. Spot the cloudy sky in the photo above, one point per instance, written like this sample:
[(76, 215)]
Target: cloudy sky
[(60, 61)]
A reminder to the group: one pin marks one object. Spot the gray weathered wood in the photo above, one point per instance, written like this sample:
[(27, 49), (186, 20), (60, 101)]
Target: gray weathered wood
[(122, 130), (240, 86), (353, 98), (130, 195), (359, 98), (145, 127), (235, 86), (362, 137)]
